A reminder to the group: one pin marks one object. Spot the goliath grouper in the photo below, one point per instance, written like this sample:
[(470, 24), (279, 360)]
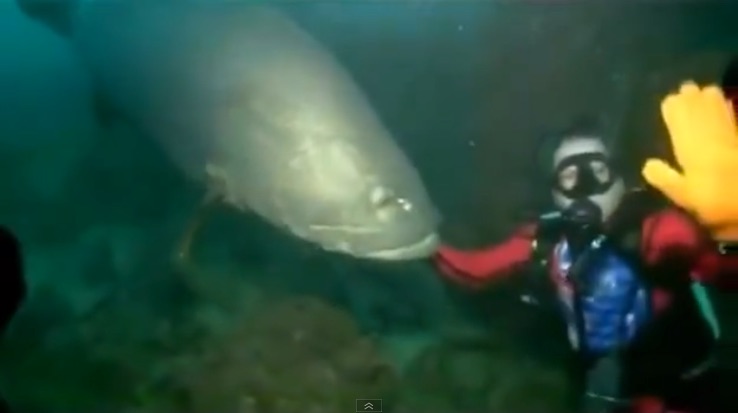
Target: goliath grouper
[(247, 102)]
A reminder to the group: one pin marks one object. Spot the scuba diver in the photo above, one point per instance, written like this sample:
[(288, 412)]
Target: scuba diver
[(626, 275)]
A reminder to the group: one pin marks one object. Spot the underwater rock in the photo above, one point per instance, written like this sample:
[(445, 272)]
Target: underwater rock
[(50, 363), (384, 298), (297, 355), (392, 299), (478, 374), (112, 355), (97, 263), (65, 269)]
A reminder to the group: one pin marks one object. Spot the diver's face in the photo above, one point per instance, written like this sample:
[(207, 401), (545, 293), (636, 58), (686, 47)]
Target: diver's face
[(582, 172)]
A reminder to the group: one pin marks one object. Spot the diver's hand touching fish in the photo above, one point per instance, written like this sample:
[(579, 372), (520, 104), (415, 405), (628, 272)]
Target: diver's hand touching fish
[(245, 101)]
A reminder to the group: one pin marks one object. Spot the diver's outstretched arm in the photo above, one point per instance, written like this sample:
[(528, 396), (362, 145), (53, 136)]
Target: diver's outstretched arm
[(476, 268)]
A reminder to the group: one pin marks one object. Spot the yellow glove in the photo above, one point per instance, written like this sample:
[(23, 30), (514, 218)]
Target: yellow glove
[(704, 138)]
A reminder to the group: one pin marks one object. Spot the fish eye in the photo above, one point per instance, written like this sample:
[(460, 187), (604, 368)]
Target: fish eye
[(386, 204), (405, 204)]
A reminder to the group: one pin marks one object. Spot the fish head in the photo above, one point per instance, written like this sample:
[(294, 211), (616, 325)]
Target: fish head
[(367, 201), (401, 223)]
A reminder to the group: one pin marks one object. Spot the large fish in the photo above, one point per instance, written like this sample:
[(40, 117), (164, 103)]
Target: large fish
[(243, 99)]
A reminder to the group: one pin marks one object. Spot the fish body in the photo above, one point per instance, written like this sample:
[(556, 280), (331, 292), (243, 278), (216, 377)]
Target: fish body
[(246, 101)]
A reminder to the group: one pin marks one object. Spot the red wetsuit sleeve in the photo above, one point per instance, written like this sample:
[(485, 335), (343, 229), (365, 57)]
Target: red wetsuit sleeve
[(673, 240), (670, 236), (718, 270), (478, 267)]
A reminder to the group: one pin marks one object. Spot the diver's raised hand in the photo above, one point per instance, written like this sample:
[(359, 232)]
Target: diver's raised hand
[(704, 137)]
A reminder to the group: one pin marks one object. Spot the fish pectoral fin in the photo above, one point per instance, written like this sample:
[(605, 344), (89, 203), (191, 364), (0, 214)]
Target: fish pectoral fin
[(104, 111), (183, 252)]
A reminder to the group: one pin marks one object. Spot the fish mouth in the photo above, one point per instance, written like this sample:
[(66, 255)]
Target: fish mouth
[(421, 249)]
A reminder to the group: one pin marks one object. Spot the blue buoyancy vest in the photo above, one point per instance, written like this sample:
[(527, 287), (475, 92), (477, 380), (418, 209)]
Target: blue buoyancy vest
[(607, 303)]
